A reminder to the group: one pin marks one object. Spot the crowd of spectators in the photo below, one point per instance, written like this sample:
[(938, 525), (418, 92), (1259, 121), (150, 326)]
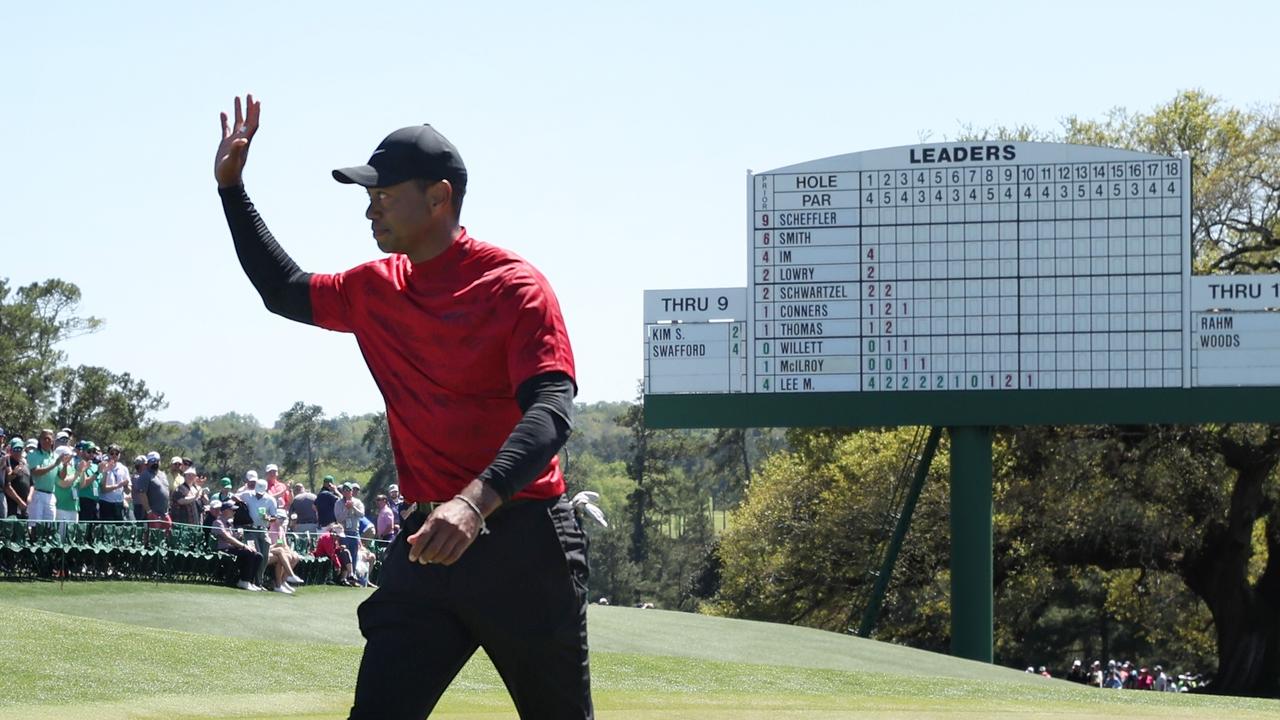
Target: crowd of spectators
[(1125, 676), (54, 477)]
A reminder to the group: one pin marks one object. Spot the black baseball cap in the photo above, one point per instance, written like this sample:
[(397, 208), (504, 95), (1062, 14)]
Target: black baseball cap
[(411, 153)]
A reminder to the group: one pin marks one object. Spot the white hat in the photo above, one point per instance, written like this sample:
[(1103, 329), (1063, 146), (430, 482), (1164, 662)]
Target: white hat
[(175, 460), (273, 468), (190, 471), (393, 488), (251, 475), (62, 451), (153, 457)]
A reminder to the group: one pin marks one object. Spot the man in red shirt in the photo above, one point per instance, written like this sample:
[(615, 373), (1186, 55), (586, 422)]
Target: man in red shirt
[(468, 346)]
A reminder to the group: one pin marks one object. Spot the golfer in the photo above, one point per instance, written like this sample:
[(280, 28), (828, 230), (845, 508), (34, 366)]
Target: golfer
[(467, 344)]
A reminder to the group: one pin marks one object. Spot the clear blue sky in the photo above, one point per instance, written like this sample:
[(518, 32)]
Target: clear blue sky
[(607, 143)]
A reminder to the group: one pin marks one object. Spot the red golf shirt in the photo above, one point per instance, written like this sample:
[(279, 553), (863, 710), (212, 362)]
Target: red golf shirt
[(448, 341)]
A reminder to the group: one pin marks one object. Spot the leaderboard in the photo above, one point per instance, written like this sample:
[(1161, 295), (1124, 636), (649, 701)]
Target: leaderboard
[(695, 341), (992, 266), (1235, 330)]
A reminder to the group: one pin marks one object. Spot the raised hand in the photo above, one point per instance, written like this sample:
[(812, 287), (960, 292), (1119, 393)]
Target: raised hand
[(233, 151)]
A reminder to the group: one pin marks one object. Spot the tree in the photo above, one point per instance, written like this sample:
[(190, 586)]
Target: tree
[(303, 438), (1235, 228), (105, 407), (34, 319), (230, 454), (1235, 163), (377, 441), (803, 543)]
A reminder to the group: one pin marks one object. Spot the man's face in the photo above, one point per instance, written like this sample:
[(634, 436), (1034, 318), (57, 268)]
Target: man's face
[(46, 441), (402, 214), (272, 476)]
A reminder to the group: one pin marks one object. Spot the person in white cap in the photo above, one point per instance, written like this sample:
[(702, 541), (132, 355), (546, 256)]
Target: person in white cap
[(276, 488), (175, 472), (394, 499), (189, 499), (148, 472), (282, 559), (151, 495), (64, 491), (262, 507)]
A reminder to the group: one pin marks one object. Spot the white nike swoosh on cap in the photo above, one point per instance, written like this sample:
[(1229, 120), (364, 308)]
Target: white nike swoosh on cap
[(375, 152)]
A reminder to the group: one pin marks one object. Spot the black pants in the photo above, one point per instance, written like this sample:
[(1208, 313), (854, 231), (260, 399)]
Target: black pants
[(519, 592), (247, 562), (88, 509), (108, 510)]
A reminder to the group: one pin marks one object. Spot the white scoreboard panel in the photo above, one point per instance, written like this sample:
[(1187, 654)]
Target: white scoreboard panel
[(1235, 330), (995, 266), (695, 340)]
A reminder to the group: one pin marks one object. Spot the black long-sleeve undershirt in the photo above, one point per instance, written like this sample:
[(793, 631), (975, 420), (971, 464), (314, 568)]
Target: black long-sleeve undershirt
[(284, 287), (546, 400)]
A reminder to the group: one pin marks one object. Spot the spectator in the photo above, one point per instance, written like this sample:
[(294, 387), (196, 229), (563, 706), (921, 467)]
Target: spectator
[(276, 488), (5, 502), (347, 512), (325, 502), (42, 463), (145, 468), (396, 501), (387, 525), (223, 490), (363, 565), (230, 541), (152, 495), (175, 473), (261, 508), (250, 477), (282, 559), (1145, 679), (1076, 674), (330, 546), (1044, 672), (115, 481), (187, 499), (303, 509), (63, 438), (131, 506), (89, 481), (64, 490), (17, 480), (1161, 682)]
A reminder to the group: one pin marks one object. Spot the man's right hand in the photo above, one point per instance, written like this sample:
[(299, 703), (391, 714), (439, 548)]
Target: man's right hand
[(233, 151)]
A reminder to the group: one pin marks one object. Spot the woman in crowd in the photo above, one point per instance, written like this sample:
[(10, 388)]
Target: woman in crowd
[(282, 559)]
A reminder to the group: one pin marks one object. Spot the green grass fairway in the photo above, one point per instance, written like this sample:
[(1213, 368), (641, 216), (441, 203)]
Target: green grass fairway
[(108, 651)]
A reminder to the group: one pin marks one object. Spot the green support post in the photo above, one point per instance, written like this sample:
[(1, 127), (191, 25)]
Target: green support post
[(972, 612), (872, 612)]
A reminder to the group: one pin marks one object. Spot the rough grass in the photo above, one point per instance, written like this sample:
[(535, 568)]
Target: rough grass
[(133, 650)]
